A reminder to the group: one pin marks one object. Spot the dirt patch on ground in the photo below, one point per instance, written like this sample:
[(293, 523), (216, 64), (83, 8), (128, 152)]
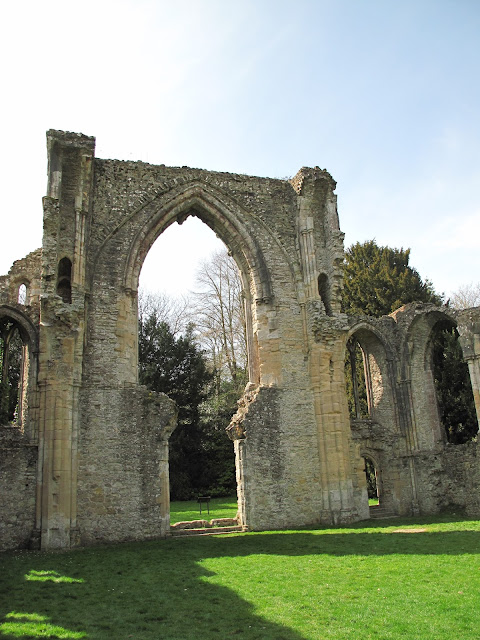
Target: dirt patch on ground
[(409, 531)]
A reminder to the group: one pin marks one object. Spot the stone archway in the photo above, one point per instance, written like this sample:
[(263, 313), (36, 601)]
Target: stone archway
[(285, 239), (137, 238)]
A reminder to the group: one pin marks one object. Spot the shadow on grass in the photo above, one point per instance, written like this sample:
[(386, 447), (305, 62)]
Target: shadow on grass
[(159, 589)]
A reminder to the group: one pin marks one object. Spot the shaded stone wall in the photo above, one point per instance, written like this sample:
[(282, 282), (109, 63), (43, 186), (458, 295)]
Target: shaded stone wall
[(18, 470), (461, 479)]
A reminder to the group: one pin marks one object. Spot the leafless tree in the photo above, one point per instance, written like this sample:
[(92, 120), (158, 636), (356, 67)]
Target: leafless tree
[(466, 296), (174, 311), (219, 314)]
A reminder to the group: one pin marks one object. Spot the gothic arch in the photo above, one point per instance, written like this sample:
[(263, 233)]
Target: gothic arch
[(419, 346), (427, 429), (201, 201), (27, 330), (28, 368), (378, 355)]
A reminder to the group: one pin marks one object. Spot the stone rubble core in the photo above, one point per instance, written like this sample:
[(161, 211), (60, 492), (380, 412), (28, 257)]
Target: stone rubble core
[(87, 460)]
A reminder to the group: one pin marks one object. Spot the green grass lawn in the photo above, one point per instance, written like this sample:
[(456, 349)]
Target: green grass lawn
[(190, 510), (412, 579)]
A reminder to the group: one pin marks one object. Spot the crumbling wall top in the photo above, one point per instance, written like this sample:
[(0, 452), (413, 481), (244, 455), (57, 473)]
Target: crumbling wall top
[(311, 174), (71, 139)]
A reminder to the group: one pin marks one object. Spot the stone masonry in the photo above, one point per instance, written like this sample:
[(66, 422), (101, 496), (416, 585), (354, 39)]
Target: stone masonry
[(87, 460)]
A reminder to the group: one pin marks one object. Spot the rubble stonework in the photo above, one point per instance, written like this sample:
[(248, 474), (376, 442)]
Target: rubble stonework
[(89, 461)]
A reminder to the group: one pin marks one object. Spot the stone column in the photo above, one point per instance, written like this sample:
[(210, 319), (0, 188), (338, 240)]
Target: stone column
[(474, 369), (62, 325), (469, 332)]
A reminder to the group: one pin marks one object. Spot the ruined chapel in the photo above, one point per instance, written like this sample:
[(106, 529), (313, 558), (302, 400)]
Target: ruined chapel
[(85, 460)]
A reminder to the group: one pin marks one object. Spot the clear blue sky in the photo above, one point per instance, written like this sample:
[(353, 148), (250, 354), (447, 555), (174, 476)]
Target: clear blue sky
[(383, 94)]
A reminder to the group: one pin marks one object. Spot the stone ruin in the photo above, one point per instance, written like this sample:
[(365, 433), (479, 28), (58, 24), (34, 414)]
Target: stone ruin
[(86, 460)]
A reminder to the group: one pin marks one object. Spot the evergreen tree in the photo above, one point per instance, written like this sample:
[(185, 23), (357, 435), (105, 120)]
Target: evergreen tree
[(378, 280), (201, 456), (177, 367), (454, 391)]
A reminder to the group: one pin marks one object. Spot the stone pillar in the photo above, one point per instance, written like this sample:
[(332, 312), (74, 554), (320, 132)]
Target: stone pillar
[(469, 332), (62, 324), (321, 253), (474, 369), (333, 431)]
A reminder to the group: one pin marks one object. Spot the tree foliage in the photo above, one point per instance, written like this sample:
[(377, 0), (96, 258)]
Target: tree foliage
[(355, 376), (371, 478), (454, 391), (175, 365), (220, 317), (378, 280)]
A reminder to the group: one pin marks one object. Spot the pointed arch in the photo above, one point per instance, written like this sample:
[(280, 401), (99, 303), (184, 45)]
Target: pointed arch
[(27, 374), (200, 200), (431, 423), (28, 332), (378, 360)]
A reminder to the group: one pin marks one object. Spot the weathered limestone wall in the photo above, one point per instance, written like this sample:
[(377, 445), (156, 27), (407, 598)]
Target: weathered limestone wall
[(461, 478), (469, 329), (123, 488), (19, 442), (26, 271), (273, 232), (419, 472)]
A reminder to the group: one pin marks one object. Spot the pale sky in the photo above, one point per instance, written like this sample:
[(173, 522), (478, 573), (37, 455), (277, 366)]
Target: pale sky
[(385, 95)]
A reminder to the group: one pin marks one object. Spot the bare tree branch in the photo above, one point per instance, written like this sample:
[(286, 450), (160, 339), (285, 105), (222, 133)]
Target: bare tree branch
[(466, 296), (219, 313), (174, 311)]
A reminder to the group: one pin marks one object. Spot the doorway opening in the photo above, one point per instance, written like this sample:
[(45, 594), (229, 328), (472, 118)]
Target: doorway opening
[(373, 484)]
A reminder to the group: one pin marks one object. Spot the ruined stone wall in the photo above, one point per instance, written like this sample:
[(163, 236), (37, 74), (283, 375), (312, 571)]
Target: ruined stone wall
[(259, 221), (102, 466), (461, 478), (19, 441), (126, 496), (18, 475), (419, 471), (26, 271)]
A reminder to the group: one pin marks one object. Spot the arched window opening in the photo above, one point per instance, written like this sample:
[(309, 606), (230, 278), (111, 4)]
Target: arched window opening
[(324, 292), (13, 361), (356, 381), (64, 280), (452, 384), (372, 482), (22, 294), (193, 347)]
